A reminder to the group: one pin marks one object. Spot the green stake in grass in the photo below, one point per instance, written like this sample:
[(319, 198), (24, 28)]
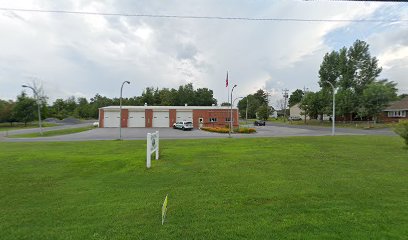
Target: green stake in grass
[(164, 210)]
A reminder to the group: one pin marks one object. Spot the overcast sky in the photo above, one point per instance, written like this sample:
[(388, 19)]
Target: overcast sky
[(81, 55)]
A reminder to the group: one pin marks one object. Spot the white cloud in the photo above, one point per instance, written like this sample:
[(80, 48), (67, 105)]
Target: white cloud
[(393, 56), (83, 55), (391, 48)]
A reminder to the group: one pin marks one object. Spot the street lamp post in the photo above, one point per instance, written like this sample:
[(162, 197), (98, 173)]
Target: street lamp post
[(229, 132), (120, 111), (38, 106), (334, 109)]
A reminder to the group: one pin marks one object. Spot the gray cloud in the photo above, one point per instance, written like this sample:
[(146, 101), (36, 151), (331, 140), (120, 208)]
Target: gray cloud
[(83, 55)]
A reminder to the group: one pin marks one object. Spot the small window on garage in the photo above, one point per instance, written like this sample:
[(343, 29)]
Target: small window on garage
[(228, 119), (213, 119)]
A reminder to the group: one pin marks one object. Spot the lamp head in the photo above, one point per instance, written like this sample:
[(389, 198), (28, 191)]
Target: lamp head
[(24, 85), (127, 82)]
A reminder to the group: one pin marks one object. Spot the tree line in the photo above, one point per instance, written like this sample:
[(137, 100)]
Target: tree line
[(255, 105), (24, 109), (361, 94)]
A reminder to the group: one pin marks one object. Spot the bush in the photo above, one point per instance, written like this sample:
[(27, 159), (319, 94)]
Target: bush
[(226, 130), (245, 130), (402, 129), (215, 129)]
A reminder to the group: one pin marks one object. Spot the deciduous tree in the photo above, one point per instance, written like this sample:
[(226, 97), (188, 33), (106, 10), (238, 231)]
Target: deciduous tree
[(25, 109), (295, 97)]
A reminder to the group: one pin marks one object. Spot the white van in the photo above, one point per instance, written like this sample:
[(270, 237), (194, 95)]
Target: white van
[(184, 125)]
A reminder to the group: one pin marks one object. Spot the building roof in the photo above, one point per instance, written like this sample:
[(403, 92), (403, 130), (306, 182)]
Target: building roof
[(169, 107), (398, 105)]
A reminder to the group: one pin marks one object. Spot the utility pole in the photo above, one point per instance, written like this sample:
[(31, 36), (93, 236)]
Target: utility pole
[(285, 95), (305, 90), (267, 102)]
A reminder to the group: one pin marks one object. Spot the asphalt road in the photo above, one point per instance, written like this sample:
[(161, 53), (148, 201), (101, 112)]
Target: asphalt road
[(271, 130)]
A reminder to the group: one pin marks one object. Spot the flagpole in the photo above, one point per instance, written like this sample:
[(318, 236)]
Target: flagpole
[(228, 100)]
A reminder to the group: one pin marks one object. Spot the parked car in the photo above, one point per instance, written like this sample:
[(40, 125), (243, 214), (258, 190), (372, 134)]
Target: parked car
[(259, 123), (294, 118), (183, 125)]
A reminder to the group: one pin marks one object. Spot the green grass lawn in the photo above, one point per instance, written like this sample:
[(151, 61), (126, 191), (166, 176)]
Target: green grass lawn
[(357, 125), (52, 133), (17, 126), (277, 188)]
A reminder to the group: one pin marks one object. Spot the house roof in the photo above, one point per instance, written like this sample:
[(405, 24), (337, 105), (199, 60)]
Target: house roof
[(398, 105)]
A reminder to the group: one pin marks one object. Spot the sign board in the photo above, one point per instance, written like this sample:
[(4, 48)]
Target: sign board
[(152, 146)]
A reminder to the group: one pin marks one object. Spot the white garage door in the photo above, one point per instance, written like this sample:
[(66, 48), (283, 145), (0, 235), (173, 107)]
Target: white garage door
[(111, 119), (160, 119), (136, 119), (184, 116)]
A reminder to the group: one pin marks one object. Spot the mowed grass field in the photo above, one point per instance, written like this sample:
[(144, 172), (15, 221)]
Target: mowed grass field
[(17, 126), (53, 132), (339, 187)]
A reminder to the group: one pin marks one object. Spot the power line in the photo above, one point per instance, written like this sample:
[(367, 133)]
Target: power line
[(404, 1), (205, 17)]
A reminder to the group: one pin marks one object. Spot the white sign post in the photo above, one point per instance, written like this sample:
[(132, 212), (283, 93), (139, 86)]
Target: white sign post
[(152, 146)]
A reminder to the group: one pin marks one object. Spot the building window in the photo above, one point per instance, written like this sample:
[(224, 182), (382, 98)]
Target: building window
[(397, 113), (213, 119), (228, 119)]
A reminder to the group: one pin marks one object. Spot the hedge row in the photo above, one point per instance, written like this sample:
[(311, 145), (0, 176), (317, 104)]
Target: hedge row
[(245, 130), (215, 129), (226, 130)]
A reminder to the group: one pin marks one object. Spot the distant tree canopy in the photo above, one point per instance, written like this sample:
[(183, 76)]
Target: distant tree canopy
[(255, 105), (295, 97), (359, 91), (25, 108), (6, 111)]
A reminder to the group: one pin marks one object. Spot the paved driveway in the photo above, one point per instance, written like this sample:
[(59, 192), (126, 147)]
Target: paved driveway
[(270, 130)]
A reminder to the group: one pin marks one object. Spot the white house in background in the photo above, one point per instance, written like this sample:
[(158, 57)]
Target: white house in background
[(295, 111), (274, 114)]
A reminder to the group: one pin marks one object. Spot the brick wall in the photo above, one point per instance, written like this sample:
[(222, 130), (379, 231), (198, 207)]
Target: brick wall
[(148, 118), (173, 117), (384, 118), (101, 117), (125, 116), (219, 114)]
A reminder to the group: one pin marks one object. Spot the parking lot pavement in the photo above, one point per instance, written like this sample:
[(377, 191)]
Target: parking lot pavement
[(339, 130), (127, 134), (169, 133)]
